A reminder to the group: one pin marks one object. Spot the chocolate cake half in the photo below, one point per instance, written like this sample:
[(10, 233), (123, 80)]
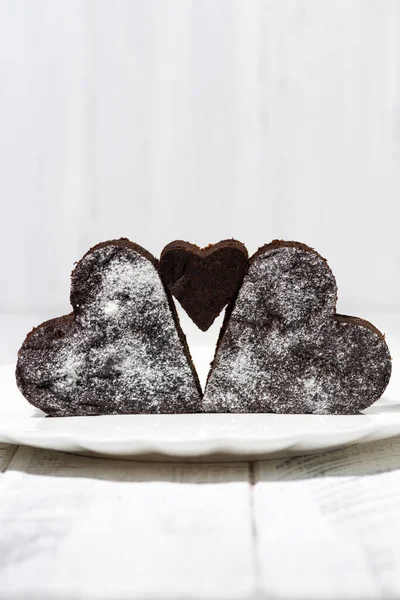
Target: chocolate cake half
[(120, 351), (283, 349)]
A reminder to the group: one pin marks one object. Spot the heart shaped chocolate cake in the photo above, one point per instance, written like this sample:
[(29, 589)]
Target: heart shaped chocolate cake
[(283, 349), (203, 280), (120, 351)]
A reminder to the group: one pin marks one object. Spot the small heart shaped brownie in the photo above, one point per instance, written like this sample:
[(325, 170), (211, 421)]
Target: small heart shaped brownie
[(120, 351), (283, 349), (204, 280)]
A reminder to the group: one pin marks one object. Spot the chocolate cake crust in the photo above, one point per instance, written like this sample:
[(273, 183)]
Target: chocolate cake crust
[(121, 350), (283, 349)]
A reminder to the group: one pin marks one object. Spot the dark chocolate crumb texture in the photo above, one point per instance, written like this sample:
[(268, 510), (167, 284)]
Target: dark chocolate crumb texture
[(283, 349), (203, 280), (120, 351)]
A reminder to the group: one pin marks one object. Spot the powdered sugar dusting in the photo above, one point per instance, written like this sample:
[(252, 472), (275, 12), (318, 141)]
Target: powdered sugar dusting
[(289, 285), (282, 350), (121, 354)]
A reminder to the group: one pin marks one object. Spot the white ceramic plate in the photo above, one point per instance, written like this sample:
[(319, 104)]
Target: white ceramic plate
[(203, 437)]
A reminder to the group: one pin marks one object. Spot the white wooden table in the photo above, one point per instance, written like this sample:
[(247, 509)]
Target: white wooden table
[(316, 527), (323, 526)]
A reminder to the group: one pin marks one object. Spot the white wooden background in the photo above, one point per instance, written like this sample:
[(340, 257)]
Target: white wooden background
[(200, 119)]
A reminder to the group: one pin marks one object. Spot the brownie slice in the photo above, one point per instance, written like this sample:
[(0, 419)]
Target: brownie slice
[(121, 350), (283, 349), (203, 280)]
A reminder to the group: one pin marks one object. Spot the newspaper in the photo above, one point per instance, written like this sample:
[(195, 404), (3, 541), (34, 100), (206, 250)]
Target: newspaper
[(6, 454), (320, 527), (328, 526), (73, 527)]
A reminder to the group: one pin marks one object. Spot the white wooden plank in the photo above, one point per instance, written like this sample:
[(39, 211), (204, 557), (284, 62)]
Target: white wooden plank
[(328, 526), (42, 150), (252, 202), (166, 72), (121, 37), (212, 147), (75, 527), (329, 80)]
